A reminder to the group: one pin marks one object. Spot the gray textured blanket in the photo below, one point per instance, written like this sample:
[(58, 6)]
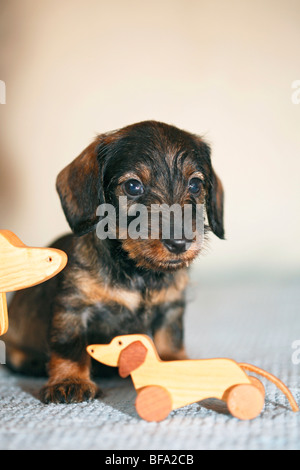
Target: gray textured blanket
[(253, 322)]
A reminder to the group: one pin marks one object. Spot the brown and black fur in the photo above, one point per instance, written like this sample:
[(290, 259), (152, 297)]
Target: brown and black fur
[(114, 286)]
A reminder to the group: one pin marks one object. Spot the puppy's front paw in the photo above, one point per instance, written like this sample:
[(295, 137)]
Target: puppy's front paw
[(69, 390)]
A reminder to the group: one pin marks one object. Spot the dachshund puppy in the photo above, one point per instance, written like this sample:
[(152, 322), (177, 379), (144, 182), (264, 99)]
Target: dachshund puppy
[(115, 285)]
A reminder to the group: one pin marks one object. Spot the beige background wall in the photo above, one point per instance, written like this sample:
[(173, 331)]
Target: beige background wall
[(224, 69)]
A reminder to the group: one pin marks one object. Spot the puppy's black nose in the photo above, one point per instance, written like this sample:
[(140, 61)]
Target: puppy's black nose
[(176, 246)]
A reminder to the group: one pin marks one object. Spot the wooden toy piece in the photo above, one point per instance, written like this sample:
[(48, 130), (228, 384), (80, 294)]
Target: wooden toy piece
[(163, 386), (255, 381), (245, 401), (3, 314), (272, 378), (22, 266), (153, 403)]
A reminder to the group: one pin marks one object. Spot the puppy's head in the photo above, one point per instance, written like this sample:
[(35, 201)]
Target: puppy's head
[(145, 165)]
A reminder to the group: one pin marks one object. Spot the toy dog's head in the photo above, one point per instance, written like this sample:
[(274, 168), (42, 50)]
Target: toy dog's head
[(127, 352), (150, 164), (23, 266)]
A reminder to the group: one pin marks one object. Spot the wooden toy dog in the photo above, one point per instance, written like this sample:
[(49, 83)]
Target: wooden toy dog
[(163, 386), (22, 266)]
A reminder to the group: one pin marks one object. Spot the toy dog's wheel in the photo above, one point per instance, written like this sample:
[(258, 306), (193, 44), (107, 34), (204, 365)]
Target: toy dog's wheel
[(258, 384), (153, 403), (245, 401)]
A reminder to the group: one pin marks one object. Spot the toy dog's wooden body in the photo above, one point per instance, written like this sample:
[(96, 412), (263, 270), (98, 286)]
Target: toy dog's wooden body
[(163, 386), (187, 381), (22, 266)]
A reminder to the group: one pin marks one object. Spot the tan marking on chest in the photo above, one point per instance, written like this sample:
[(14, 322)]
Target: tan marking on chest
[(96, 292), (171, 293)]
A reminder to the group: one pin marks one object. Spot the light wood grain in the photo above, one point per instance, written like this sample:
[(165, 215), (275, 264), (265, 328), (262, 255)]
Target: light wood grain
[(163, 386), (22, 266), (187, 381), (3, 314)]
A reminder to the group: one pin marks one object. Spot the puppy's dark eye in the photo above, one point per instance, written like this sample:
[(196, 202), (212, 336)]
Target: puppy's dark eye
[(134, 187), (195, 186)]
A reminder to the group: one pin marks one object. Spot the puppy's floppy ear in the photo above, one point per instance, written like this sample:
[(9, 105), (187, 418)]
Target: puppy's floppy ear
[(215, 205), (214, 192), (80, 189), (131, 358)]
